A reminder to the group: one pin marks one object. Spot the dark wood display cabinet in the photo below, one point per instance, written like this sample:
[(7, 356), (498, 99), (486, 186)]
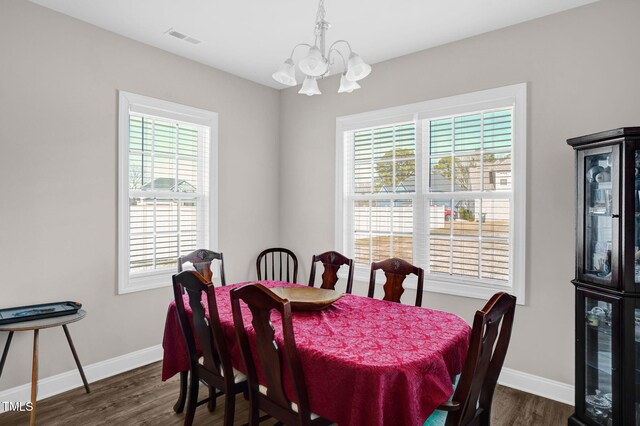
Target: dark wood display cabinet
[(607, 279)]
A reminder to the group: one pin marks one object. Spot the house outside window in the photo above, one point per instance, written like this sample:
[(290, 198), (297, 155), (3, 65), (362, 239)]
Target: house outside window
[(440, 184), (167, 190)]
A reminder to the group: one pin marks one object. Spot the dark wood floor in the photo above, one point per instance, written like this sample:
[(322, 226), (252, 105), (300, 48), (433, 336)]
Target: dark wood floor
[(139, 397)]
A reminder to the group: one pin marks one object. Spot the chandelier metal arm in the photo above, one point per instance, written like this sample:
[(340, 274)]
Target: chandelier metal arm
[(344, 61), (296, 46), (340, 41)]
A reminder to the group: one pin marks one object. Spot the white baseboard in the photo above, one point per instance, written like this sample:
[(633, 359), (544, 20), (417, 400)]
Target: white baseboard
[(537, 385), (68, 380)]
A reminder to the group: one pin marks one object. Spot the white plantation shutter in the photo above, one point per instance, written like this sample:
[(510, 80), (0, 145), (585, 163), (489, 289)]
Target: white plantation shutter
[(382, 192), (165, 204), (168, 192), (438, 191), (475, 241)]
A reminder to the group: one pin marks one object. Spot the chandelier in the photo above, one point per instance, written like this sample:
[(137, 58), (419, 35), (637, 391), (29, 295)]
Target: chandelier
[(318, 62)]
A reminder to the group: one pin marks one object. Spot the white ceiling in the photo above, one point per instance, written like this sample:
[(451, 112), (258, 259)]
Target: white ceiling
[(251, 38)]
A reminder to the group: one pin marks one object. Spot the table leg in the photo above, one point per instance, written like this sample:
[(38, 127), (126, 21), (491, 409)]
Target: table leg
[(5, 351), (179, 405), (34, 378), (75, 357)]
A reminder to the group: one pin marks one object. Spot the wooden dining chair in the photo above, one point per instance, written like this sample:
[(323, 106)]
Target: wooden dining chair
[(490, 335), (396, 270), (332, 261), (274, 358), (278, 264), (215, 369), (201, 260)]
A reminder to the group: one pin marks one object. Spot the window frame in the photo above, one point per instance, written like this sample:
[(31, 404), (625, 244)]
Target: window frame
[(514, 96), (131, 102)]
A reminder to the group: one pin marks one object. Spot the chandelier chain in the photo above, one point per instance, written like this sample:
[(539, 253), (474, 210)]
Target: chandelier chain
[(321, 12)]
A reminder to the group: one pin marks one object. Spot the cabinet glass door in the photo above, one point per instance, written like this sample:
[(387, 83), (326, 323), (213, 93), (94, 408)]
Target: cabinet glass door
[(636, 197), (598, 217), (599, 395), (636, 355)]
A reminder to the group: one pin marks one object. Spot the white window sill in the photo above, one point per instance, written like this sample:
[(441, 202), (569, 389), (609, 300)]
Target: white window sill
[(454, 286), (146, 282)]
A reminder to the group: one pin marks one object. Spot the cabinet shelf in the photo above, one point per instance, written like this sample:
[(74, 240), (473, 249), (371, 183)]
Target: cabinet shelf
[(603, 366), (601, 185), (602, 329)]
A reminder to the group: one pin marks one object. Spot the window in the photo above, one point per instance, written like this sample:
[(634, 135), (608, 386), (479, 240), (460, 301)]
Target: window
[(384, 168), (440, 184), (167, 191)]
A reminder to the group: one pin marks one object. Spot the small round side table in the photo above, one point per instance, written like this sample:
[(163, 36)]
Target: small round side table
[(36, 326)]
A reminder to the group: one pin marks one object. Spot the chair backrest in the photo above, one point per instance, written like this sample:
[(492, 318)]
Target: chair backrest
[(201, 260), (332, 261), (487, 349), (396, 270), (272, 357), (277, 264), (207, 329)]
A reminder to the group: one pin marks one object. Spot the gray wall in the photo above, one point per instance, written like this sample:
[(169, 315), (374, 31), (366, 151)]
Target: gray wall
[(59, 79), (582, 69)]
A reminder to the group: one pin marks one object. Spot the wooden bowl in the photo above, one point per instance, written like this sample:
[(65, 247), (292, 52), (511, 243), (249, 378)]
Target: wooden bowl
[(307, 298)]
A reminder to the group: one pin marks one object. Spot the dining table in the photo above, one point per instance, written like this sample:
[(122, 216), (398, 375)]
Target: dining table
[(365, 361)]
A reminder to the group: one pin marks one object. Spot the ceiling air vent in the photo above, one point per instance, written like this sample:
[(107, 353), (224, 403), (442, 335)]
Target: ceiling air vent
[(181, 36)]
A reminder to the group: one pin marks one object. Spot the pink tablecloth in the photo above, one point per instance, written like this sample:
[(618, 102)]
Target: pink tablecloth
[(366, 361)]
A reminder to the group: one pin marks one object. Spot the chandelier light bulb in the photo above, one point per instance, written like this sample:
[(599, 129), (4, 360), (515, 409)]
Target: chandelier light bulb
[(286, 74), (357, 69), (310, 87), (314, 64), (347, 86)]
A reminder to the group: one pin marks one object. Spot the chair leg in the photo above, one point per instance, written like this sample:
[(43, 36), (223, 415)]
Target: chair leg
[(229, 408), (485, 418), (192, 400), (211, 405), (254, 415), (182, 398)]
